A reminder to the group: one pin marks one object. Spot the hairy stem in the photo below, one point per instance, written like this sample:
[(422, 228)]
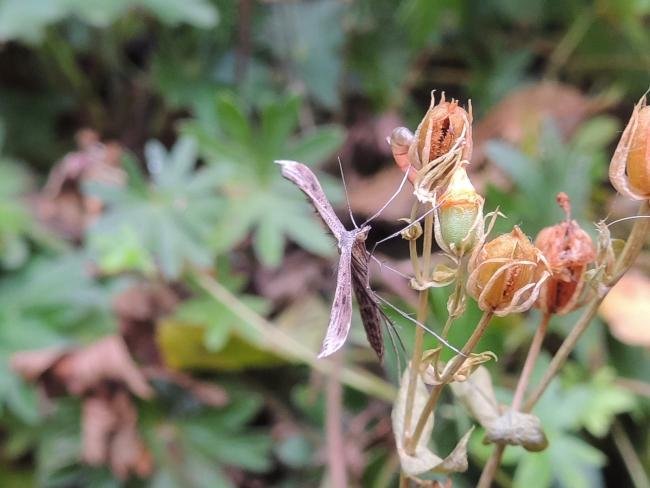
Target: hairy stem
[(423, 310), (493, 463), (630, 252), (531, 359), (449, 373)]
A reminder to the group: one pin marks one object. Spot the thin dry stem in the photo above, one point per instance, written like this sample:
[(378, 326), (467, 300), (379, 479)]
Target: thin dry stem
[(423, 310), (449, 373), (336, 460), (630, 252), (531, 359), (630, 458), (493, 463)]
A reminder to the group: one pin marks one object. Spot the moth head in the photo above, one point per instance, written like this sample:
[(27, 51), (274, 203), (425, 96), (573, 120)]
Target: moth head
[(362, 233)]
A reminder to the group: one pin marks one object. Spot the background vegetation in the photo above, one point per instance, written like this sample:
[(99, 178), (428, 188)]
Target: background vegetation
[(193, 101)]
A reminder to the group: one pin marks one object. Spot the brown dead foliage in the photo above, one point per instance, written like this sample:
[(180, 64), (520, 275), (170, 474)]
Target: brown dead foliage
[(104, 376), (138, 309), (626, 309), (62, 205)]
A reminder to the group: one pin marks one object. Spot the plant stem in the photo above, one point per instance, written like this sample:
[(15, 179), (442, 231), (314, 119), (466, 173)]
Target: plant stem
[(491, 467), (448, 374), (531, 359), (630, 459), (493, 463), (336, 461), (423, 310), (630, 252)]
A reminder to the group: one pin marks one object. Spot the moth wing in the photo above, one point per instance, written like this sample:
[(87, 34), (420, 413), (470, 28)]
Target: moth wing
[(371, 317), (306, 180), (341, 316)]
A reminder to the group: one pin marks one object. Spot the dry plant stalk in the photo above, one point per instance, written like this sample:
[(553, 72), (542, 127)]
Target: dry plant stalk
[(509, 274)]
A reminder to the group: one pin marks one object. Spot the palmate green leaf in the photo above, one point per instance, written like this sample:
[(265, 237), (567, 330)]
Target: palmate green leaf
[(27, 20), (551, 167), (575, 463), (564, 410), (53, 302), (195, 449), (604, 401), (173, 217), (258, 200), (310, 45)]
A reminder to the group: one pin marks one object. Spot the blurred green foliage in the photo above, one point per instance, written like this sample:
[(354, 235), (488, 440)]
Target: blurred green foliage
[(204, 95)]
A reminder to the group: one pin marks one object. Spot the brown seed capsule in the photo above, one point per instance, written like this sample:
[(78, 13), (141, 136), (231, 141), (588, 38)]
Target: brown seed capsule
[(506, 274), (568, 250), (629, 171), (442, 126), (459, 219)]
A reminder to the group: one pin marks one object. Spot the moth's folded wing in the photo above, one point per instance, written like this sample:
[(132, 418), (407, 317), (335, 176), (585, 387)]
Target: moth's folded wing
[(306, 180), (341, 316)]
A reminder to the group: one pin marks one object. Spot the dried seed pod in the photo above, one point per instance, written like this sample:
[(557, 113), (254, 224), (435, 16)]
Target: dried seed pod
[(629, 171), (568, 250), (442, 126), (459, 219), (506, 274), (442, 142)]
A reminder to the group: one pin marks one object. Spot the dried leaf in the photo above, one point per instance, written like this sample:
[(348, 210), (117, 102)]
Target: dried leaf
[(442, 275), (626, 309), (513, 428), (522, 111), (517, 429), (477, 396), (110, 435), (81, 370), (424, 459), (105, 360)]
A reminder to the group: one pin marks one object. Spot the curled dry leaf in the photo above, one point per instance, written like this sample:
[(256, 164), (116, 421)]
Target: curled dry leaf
[(138, 309), (509, 427), (62, 204), (627, 308), (110, 435), (83, 369), (442, 275), (522, 112), (431, 375), (423, 460), (517, 429), (104, 375)]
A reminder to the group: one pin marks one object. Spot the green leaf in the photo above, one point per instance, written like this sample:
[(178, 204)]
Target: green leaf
[(173, 217), (533, 470), (311, 45), (316, 146), (268, 242), (232, 120)]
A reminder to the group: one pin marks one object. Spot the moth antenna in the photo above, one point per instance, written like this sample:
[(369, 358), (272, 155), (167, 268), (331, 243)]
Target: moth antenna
[(434, 334), (395, 234), (390, 200), (345, 190)]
